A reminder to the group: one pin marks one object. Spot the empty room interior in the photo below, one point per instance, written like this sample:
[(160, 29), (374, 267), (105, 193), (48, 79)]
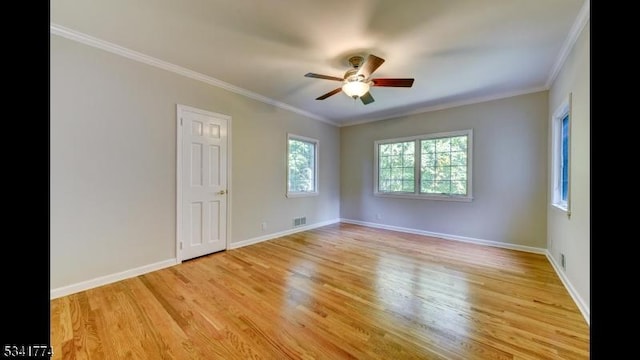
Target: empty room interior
[(320, 179)]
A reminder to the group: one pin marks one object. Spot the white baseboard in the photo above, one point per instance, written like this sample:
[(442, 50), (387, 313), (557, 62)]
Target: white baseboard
[(582, 306), (258, 239), (499, 244), (108, 279)]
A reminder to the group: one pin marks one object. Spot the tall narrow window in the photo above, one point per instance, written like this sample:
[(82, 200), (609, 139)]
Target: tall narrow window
[(433, 166), (302, 166), (561, 155), (564, 181)]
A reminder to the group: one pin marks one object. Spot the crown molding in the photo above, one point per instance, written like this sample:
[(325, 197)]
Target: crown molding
[(579, 24), (80, 37), (577, 27), (450, 105)]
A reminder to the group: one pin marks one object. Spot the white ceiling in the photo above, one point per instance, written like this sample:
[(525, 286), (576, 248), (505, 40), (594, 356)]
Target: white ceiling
[(457, 50)]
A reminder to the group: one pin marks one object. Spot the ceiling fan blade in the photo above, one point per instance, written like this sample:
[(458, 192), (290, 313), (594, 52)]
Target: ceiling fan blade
[(367, 98), (326, 77), (393, 82), (330, 93), (370, 65)]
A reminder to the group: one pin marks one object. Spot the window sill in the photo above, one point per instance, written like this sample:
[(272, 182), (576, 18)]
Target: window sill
[(561, 207), (425, 197), (301, 194)]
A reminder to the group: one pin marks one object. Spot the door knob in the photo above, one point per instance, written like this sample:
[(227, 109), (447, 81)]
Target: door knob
[(222, 192)]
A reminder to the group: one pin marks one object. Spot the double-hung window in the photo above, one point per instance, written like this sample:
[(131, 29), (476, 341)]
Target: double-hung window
[(433, 166), (302, 166)]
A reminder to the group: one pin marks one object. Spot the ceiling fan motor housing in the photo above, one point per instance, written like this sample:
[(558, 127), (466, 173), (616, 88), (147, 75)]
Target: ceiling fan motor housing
[(351, 75), (356, 61)]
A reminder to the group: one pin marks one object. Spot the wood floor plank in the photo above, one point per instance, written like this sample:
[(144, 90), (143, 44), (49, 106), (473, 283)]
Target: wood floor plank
[(338, 292)]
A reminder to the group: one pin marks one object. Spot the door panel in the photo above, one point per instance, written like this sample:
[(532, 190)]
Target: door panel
[(196, 224), (203, 190), (196, 164)]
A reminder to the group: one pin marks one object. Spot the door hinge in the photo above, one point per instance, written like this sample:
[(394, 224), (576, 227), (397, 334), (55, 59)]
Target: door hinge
[(180, 121), (180, 245)]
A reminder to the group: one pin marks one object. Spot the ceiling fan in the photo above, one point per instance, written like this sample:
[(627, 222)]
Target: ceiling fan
[(357, 81)]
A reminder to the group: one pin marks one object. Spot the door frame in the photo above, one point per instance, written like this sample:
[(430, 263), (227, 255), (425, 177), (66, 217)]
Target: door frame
[(179, 138)]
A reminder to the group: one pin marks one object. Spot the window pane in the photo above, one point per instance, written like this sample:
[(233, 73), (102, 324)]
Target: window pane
[(407, 174), (458, 173), (443, 187), (459, 187), (385, 149), (427, 187), (385, 173), (443, 173), (399, 167), (443, 145), (459, 143), (409, 160), (444, 159), (459, 158), (443, 168), (565, 158), (428, 173), (428, 146), (428, 159), (396, 161), (301, 166), (385, 162), (407, 185)]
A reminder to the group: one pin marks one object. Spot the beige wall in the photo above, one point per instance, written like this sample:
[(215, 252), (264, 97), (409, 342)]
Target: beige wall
[(571, 236), (113, 160), (509, 172)]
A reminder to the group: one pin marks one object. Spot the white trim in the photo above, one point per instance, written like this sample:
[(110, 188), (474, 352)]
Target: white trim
[(407, 195), (149, 60), (300, 194), (259, 239), (108, 279), (580, 303), (229, 182), (178, 182), (572, 37), (179, 133), (446, 105), (466, 239)]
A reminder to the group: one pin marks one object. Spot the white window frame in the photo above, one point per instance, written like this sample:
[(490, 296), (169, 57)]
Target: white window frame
[(556, 137), (316, 143), (416, 194)]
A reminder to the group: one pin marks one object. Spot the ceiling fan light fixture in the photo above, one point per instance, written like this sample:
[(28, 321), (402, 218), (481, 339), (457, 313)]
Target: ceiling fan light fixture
[(357, 81), (355, 89)]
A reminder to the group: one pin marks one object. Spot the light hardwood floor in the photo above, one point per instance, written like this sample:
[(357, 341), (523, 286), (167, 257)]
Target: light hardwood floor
[(338, 292)]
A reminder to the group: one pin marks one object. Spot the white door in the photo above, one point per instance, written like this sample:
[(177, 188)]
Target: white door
[(202, 182)]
